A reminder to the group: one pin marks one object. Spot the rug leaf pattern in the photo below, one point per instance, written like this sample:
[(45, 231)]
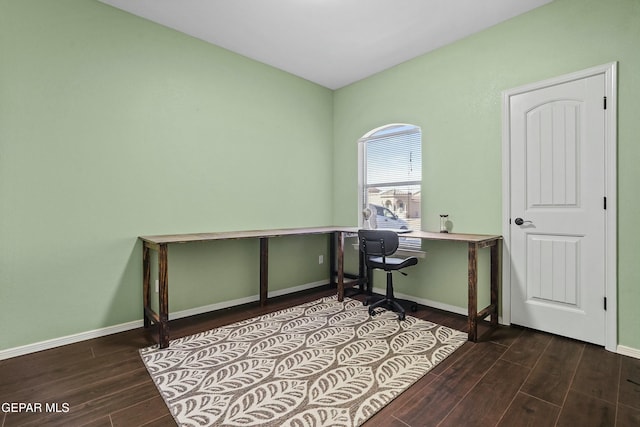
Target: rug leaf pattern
[(324, 363)]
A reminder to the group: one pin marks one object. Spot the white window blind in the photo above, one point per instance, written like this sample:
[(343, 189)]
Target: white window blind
[(394, 158)]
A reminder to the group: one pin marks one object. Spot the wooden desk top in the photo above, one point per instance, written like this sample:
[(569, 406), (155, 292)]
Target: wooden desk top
[(226, 235), (455, 237)]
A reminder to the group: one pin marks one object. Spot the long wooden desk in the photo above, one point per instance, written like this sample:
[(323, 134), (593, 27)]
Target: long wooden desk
[(161, 243)]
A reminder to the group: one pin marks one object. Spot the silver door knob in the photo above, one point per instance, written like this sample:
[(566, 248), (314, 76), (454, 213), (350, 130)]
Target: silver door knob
[(520, 221)]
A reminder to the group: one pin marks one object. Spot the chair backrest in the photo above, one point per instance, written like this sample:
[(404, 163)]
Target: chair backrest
[(378, 242)]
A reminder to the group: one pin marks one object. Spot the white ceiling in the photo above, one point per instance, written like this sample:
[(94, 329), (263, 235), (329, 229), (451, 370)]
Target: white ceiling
[(329, 42)]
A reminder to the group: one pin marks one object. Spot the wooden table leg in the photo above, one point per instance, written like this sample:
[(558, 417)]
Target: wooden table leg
[(146, 284), (473, 291), (332, 259), (496, 251), (363, 275), (163, 297), (264, 270), (340, 238)]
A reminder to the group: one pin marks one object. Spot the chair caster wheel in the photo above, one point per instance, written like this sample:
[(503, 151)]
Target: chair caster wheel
[(371, 312), (414, 307), (401, 316), (365, 302)]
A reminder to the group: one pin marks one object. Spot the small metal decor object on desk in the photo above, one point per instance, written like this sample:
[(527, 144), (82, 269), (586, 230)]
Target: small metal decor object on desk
[(443, 223)]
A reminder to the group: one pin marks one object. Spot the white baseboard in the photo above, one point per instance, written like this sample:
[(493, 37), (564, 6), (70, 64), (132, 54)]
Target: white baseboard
[(298, 288), (212, 307), (97, 333), (433, 304), (240, 301), (628, 351), (69, 339)]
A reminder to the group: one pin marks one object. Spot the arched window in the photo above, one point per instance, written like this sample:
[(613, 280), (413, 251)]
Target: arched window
[(390, 177)]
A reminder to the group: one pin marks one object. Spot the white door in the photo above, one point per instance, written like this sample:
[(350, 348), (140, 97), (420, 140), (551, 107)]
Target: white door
[(558, 188)]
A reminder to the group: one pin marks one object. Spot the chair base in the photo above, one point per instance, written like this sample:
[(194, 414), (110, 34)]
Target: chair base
[(390, 304), (389, 301), (393, 305)]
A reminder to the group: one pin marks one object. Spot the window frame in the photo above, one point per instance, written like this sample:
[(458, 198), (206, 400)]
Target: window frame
[(404, 129)]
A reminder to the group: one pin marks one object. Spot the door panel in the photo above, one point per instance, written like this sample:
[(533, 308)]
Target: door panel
[(553, 270), (552, 154), (557, 188)]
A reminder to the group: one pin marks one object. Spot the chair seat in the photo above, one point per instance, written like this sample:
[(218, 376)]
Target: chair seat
[(392, 263)]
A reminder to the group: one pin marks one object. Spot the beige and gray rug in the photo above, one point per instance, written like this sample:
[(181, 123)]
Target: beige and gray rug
[(324, 363)]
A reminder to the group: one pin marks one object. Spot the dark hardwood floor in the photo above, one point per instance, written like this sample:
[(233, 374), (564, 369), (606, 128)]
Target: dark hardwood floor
[(514, 377)]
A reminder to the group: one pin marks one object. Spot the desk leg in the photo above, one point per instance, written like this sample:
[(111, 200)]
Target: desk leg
[(146, 283), (473, 291), (163, 298), (364, 276), (332, 259), (264, 270), (340, 236), (496, 257)]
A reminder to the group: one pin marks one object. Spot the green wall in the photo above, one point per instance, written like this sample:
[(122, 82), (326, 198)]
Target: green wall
[(113, 127), (454, 95)]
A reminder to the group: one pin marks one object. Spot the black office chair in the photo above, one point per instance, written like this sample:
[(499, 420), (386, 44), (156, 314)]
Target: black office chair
[(376, 246)]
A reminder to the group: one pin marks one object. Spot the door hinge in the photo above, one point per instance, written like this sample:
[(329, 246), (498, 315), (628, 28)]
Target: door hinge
[(605, 203), (605, 303), (605, 102)]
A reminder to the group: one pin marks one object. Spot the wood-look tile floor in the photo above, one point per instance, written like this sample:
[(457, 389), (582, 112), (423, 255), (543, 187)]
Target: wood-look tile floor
[(513, 377)]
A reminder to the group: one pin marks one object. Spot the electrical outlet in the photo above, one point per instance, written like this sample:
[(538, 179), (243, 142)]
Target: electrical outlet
[(320, 259), (157, 286)]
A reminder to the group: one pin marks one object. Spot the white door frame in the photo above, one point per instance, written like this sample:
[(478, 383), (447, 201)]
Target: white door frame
[(611, 286)]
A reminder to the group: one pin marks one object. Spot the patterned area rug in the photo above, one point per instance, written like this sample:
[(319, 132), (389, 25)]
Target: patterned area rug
[(324, 363)]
